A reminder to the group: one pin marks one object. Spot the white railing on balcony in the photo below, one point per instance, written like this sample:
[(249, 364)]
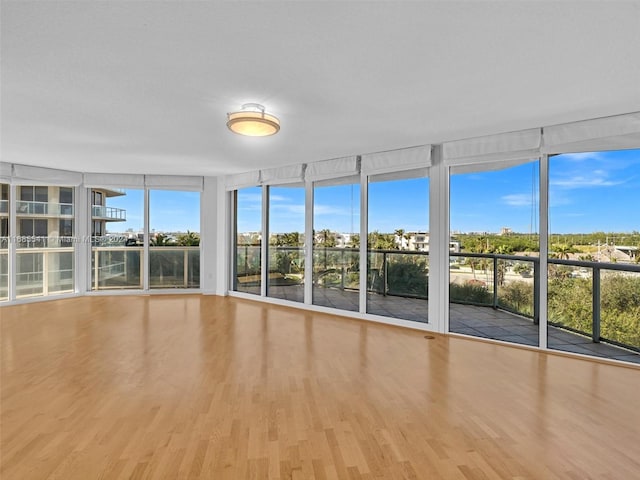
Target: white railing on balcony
[(4, 274), (51, 271), (44, 208), (123, 267), (108, 213)]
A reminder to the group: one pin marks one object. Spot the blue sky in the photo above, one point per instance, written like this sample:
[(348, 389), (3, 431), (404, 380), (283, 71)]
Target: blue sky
[(587, 192), (170, 211)]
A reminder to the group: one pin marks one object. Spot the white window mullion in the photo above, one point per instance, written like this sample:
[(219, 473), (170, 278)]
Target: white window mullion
[(82, 234), (232, 283), (308, 241), (364, 226), (544, 249), (264, 245), (439, 243), (12, 242), (145, 271)]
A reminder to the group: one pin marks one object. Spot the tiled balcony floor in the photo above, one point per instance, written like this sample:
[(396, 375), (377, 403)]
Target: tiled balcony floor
[(483, 322)]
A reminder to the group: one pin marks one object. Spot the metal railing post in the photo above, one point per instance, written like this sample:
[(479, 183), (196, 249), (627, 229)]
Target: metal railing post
[(142, 272), (536, 293), (185, 268), (45, 273), (495, 283), (384, 273), (342, 269), (595, 335), (96, 270)]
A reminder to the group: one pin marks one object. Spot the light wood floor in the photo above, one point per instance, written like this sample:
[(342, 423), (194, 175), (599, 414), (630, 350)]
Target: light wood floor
[(182, 387)]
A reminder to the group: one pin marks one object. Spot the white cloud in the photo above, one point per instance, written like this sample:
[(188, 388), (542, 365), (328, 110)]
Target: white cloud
[(581, 181), (519, 199), (290, 209), (250, 197), (333, 210), (581, 157), (558, 198)]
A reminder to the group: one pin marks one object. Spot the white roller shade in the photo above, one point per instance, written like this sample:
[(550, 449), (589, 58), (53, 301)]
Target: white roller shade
[(283, 175), (174, 182), (610, 133), (5, 172), (28, 175), (523, 145), (113, 180), (242, 180), (402, 175), (334, 168), (488, 167), (405, 159)]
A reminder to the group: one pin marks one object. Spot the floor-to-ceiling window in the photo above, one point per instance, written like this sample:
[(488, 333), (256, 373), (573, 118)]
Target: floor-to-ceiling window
[(494, 251), (248, 240), (174, 239), (286, 242), (594, 253), (398, 247), (117, 238), (44, 240), (336, 241)]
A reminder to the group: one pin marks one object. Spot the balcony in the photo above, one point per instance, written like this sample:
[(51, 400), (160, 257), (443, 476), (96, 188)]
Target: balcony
[(114, 268), (44, 209), (593, 308), (41, 271), (4, 207), (110, 214)]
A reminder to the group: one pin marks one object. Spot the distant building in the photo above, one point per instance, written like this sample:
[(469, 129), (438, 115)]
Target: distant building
[(46, 213), (419, 241), (506, 231), (101, 214), (624, 253)]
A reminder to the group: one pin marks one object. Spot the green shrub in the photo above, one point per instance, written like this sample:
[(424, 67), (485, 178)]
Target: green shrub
[(517, 297), (469, 292)]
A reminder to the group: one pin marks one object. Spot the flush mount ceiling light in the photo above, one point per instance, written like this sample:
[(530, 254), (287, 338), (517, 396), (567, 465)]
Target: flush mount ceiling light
[(252, 121)]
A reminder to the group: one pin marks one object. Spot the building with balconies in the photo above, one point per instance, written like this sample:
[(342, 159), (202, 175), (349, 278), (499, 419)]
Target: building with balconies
[(101, 214)]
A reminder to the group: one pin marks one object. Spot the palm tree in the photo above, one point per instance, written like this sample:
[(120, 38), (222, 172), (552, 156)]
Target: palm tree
[(189, 239), (161, 240), (562, 250), (400, 234)]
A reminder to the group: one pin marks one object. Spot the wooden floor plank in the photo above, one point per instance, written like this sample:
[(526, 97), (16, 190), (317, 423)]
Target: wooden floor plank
[(190, 386)]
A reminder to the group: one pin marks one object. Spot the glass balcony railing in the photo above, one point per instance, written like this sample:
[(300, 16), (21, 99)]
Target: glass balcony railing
[(4, 274), (508, 282), (44, 271), (598, 300), (108, 213), (4, 207), (335, 267), (399, 272), (174, 267), (123, 267), (286, 268), (44, 208)]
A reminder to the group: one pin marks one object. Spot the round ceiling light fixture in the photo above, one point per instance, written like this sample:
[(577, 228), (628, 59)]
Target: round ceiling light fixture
[(252, 121)]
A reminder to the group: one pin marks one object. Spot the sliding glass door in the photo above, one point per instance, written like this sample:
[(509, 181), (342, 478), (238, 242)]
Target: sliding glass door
[(286, 243), (336, 242)]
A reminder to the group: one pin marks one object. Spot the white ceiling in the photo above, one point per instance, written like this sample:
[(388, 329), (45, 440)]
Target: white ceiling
[(144, 87)]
